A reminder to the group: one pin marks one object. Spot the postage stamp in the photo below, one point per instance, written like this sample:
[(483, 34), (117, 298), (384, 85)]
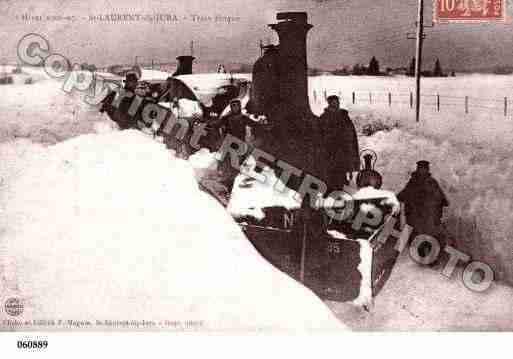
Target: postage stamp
[(468, 10)]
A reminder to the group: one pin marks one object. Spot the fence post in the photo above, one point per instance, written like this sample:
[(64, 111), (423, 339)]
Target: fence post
[(370, 97), (411, 100), (354, 98), (389, 99), (466, 104), (94, 84), (315, 96), (438, 102), (505, 106), (75, 113), (325, 95)]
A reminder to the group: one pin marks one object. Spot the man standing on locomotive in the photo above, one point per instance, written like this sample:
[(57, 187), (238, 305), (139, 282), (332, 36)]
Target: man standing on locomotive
[(340, 154), (236, 124), (120, 115)]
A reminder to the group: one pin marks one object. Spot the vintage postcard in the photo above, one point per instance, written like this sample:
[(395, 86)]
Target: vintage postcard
[(255, 166)]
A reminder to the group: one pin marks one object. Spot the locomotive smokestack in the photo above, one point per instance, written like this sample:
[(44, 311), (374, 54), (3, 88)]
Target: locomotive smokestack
[(280, 91), (292, 28), (184, 66)]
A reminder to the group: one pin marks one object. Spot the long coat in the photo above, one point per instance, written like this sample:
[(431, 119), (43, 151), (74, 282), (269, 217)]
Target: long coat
[(424, 201), (339, 152)]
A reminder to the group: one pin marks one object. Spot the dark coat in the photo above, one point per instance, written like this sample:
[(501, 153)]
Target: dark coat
[(424, 201), (235, 125), (120, 114), (340, 154)]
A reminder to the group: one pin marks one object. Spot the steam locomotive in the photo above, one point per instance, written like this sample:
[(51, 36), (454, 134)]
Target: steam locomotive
[(333, 258)]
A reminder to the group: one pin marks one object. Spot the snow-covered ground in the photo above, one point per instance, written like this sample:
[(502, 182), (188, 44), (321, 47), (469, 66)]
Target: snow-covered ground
[(417, 298), (485, 123), (113, 227), (470, 157)]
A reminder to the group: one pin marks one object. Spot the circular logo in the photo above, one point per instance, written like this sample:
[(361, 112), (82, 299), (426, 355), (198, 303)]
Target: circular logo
[(14, 307)]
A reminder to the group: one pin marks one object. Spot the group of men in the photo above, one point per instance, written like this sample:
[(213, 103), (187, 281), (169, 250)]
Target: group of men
[(423, 198), (339, 156)]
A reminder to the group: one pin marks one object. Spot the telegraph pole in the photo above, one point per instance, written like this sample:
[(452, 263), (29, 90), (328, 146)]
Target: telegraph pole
[(418, 57)]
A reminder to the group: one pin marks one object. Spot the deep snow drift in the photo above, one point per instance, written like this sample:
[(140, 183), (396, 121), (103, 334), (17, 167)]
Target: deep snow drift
[(112, 227), (477, 182)]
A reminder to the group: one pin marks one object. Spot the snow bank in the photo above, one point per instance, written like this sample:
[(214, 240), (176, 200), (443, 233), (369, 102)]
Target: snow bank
[(111, 227), (477, 181), (43, 112)]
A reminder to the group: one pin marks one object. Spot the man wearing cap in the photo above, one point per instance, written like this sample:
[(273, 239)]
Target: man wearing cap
[(340, 156), (423, 201), (235, 123)]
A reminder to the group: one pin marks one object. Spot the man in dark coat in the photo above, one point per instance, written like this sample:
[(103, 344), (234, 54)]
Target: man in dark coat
[(340, 155), (424, 201), (235, 123), (120, 115)]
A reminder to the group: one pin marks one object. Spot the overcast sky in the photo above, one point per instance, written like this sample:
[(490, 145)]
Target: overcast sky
[(345, 31)]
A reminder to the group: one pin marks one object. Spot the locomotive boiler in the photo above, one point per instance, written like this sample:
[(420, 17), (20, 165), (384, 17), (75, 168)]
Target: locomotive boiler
[(280, 92), (335, 259)]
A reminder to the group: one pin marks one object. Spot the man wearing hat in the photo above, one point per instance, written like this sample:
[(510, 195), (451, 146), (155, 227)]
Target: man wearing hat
[(131, 80), (424, 201), (340, 156)]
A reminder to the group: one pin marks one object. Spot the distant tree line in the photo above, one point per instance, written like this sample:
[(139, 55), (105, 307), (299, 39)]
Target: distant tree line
[(436, 72), (373, 69)]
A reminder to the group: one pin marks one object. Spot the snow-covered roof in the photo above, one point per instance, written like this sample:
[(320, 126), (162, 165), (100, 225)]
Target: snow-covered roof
[(147, 74), (206, 86), (211, 80), (249, 196)]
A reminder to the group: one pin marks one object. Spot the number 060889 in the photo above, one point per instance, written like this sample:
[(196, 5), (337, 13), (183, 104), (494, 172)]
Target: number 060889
[(32, 344)]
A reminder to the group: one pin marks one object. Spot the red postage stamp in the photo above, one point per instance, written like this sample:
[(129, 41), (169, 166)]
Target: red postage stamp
[(469, 10)]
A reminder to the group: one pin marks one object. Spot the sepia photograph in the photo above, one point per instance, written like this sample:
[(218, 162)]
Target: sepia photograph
[(201, 166)]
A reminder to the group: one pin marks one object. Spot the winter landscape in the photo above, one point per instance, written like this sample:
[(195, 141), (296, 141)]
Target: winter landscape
[(79, 185), (125, 206)]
